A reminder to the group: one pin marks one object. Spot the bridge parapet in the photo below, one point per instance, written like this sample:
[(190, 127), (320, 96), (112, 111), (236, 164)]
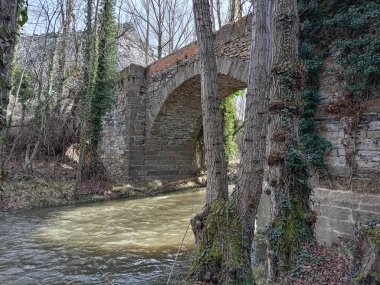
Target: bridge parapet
[(232, 40)]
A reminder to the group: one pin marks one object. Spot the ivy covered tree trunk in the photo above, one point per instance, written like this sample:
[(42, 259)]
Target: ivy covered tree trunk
[(224, 229), (99, 84), (13, 14), (288, 176), (105, 82), (9, 16)]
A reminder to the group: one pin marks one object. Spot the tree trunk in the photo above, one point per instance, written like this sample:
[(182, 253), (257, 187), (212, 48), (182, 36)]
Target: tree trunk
[(212, 14), (223, 231), (9, 25), (287, 177), (234, 10), (218, 13), (249, 186), (147, 33), (211, 113), (86, 91), (66, 23)]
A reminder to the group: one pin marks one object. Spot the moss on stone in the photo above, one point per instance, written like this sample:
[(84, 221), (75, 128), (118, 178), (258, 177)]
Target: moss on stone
[(374, 234)]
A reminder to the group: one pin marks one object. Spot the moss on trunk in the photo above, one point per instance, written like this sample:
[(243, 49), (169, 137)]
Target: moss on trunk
[(221, 255)]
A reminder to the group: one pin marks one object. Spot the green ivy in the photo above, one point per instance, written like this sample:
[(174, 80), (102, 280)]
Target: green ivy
[(105, 82), (26, 91), (23, 12), (230, 125)]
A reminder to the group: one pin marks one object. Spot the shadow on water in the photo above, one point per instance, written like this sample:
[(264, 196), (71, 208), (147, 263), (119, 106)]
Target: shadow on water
[(129, 242)]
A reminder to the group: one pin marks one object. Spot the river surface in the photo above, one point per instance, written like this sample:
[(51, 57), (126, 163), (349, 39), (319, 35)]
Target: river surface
[(117, 242)]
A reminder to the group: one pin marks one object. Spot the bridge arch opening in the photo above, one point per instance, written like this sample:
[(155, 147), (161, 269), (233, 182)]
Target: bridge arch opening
[(170, 149)]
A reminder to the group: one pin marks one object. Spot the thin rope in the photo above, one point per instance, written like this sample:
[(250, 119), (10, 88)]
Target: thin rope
[(183, 240)]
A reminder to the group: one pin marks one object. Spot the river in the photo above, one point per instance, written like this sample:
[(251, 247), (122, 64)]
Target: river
[(116, 242)]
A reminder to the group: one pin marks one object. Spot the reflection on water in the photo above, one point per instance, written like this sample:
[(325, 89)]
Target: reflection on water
[(129, 242)]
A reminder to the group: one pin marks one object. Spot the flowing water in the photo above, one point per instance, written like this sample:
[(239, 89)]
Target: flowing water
[(117, 242)]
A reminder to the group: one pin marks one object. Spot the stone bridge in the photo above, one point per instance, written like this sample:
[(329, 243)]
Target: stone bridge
[(152, 131)]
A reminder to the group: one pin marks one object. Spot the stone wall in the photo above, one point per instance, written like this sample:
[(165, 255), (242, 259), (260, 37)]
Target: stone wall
[(351, 195), (341, 213), (354, 159)]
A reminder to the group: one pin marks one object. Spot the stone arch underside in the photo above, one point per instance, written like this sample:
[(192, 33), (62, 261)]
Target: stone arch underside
[(171, 142)]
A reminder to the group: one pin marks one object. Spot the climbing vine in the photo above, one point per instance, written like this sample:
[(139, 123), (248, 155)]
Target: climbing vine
[(106, 72), (347, 31)]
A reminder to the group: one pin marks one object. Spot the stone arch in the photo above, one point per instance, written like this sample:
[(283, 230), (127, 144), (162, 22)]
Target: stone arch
[(165, 85), (176, 118)]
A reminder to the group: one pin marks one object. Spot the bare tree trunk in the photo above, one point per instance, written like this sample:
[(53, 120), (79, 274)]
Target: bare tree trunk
[(223, 249), (212, 14), (249, 186), (211, 113), (218, 13), (147, 33), (66, 23), (234, 10), (84, 100)]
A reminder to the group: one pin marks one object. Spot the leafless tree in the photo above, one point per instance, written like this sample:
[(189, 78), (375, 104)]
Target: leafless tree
[(225, 219), (164, 24)]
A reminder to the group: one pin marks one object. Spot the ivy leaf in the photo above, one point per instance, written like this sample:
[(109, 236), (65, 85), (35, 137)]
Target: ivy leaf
[(23, 16)]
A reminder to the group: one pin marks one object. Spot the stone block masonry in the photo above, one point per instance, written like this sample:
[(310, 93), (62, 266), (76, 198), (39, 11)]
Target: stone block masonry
[(152, 130)]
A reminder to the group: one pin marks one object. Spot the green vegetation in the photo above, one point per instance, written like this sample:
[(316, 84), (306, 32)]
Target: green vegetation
[(289, 232), (222, 246), (349, 32), (25, 81), (231, 127), (105, 81), (374, 234), (100, 82)]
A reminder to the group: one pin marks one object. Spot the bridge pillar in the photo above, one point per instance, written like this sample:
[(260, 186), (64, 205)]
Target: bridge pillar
[(123, 136), (135, 118)]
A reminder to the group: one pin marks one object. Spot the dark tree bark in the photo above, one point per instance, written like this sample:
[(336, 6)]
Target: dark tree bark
[(249, 186), (291, 223), (211, 113), (224, 229), (9, 25)]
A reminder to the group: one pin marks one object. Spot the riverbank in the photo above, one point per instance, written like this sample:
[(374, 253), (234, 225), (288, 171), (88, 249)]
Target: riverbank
[(51, 183), (39, 193)]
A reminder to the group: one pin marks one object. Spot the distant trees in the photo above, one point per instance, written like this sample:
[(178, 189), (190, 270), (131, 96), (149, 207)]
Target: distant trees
[(165, 25), (235, 10)]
